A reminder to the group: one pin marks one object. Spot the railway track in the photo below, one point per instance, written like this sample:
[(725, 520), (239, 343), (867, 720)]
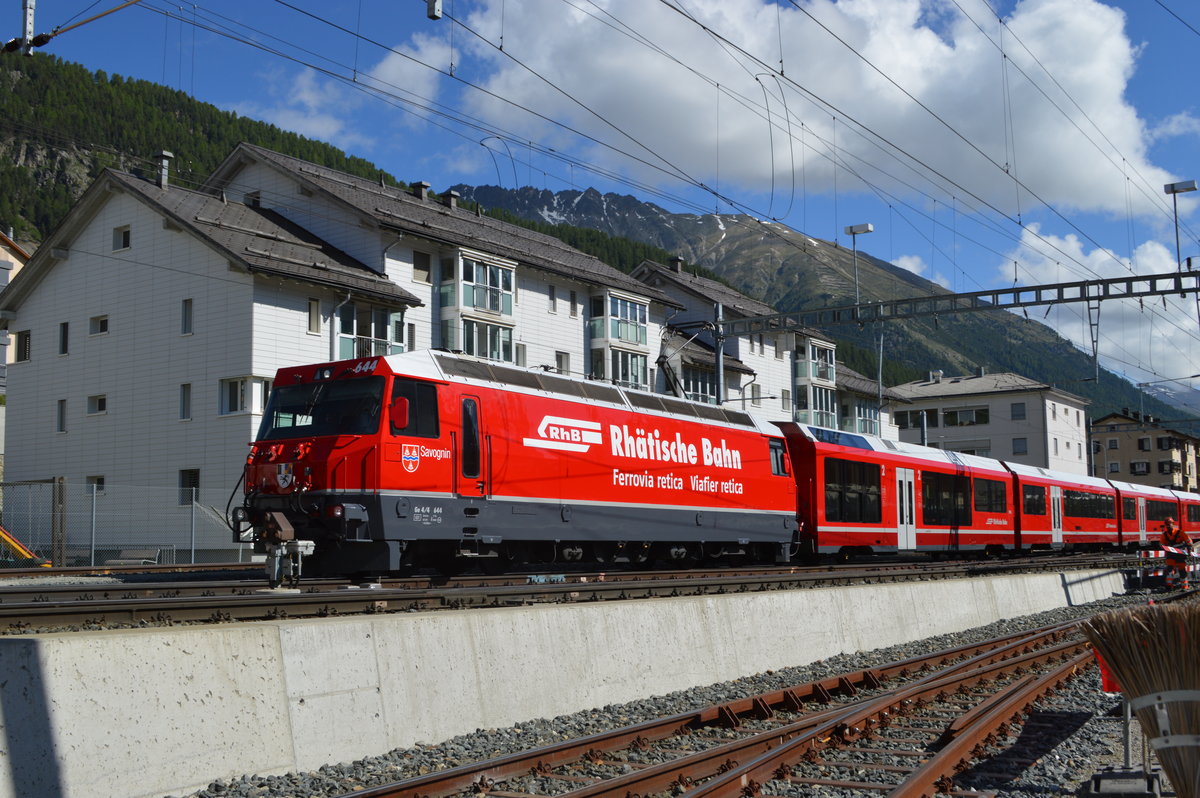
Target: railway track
[(28, 607), (903, 729), (25, 607)]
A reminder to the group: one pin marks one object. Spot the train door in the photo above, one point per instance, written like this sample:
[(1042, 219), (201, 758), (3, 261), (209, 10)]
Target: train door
[(473, 454), (1056, 516), (1141, 514), (906, 514)]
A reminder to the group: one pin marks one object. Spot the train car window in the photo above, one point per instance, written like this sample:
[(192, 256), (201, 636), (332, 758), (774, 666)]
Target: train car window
[(1193, 513), (945, 499), (852, 491), (990, 496), (1159, 510), (1033, 499), (778, 459), (839, 438), (1129, 509), (422, 408), (1085, 504), (470, 438)]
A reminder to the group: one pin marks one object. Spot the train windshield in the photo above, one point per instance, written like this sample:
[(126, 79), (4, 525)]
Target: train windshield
[(333, 407)]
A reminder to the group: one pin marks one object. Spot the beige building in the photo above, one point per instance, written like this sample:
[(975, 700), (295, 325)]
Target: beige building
[(1133, 448), (1003, 416)]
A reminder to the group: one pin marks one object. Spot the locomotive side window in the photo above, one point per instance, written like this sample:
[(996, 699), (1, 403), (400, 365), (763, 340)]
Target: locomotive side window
[(1193, 513), (1129, 509), (1084, 504), (422, 408), (1160, 510), (470, 438), (945, 499), (1034, 499), (852, 491), (990, 496), (779, 466)]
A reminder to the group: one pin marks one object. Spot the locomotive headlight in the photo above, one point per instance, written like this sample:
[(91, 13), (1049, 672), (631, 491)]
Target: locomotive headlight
[(323, 373), (335, 511)]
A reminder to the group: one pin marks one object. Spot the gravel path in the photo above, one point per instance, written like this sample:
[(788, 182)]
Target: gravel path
[(1072, 735)]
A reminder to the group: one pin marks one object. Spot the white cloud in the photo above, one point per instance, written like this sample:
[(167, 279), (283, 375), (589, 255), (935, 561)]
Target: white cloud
[(1176, 125), (1145, 339), (315, 107), (642, 78)]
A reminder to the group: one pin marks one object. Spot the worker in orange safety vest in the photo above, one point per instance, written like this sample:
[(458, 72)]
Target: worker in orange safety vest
[(1177, 565)]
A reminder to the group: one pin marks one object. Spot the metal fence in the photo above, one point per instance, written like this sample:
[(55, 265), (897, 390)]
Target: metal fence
[(84, 524)]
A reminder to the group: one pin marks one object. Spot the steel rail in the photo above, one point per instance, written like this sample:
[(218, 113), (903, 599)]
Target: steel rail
[(835, 723)]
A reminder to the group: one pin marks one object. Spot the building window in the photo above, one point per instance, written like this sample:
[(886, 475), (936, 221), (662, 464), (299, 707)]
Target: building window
[(422, 267), (1017, 411), (1053, 412), (519, 354), (489, 341), (756, 394), (98, 325), (574, 305), (97, 404), (1113, 443), (700, 385), (824, 407), (1143, 444), (1139, 468), (629, 369), (24, 342), (625, 320), (1020, 446), (185, 317), (366, 331), (121, 238), (487, 286), (553, 299), (60, 422), (189, 485), (96, 484), (314, 316), (1168, 467), (185, 401), (242, 395), (778, 348), (866, 417), (63, 338), (411, 345), (822, 365), (562, 362), (966, 418), (786, 401), (1114, 468), (1056, 447)]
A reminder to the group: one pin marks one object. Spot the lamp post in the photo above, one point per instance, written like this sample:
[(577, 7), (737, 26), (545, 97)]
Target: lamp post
[(1175, 189), (854, 231)]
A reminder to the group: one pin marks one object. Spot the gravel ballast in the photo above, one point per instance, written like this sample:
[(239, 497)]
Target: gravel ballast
[(1075, 733)]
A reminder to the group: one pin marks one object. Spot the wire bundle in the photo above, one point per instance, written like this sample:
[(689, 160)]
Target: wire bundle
[(1154, 653)]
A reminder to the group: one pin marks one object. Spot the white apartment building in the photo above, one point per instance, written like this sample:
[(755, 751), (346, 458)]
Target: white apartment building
[(149, 326), (1003, 416)]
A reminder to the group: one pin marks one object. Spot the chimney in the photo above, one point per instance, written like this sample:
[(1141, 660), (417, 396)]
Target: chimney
[(421, 190), (164, 167), (981, 371), (450, 198), (936, 376), (677, 264)]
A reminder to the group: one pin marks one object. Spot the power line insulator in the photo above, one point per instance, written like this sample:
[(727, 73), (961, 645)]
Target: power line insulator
[(42, 39), (13, 45)]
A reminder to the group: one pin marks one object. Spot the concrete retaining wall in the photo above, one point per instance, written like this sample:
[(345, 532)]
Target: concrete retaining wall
[(148, 712)]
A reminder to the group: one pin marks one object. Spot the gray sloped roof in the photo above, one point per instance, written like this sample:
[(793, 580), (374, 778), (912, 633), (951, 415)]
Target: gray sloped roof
[(265, 242), (701, 354), (977, 385), (399, 210), (707, 289), (847, 379)]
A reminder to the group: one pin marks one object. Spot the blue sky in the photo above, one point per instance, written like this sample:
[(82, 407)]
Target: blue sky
[(985, 141)]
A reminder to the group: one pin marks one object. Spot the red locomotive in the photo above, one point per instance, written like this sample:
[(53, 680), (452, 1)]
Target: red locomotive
[(433, 459)]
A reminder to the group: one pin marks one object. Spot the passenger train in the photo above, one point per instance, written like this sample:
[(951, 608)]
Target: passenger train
[(438, 460)]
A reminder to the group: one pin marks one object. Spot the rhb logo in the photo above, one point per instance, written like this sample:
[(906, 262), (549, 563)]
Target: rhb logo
[(566, 434), (410, 455)]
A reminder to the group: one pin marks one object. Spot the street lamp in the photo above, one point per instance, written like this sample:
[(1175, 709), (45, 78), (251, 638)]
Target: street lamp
[(1175, 189), (854, 231)]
